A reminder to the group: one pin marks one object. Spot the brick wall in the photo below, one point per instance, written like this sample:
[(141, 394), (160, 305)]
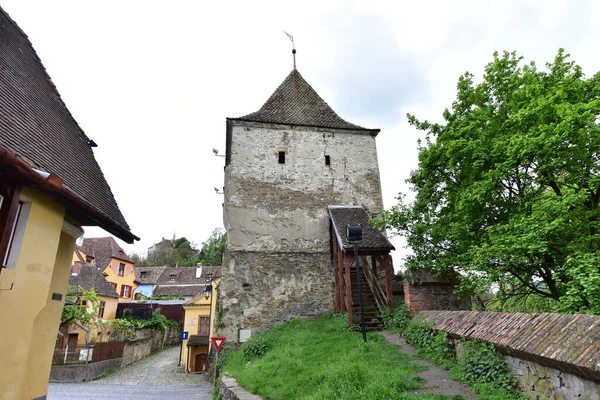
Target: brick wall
[(552, 355), (431, 296)]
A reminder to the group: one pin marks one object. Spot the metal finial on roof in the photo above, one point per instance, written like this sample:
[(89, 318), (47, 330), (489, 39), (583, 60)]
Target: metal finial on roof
[(293, 47)]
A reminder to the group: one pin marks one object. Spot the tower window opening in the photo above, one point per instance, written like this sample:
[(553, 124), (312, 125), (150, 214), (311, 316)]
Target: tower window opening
[(327, 160), (282, 157)]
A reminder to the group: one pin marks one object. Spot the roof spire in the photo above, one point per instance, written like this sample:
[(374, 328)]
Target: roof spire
[(293, 47)]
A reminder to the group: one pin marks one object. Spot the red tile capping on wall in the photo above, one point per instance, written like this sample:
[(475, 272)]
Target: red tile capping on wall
[(569, 343)]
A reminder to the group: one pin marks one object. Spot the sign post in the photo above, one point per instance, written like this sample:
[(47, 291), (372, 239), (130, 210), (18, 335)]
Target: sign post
[(217, 342), (182, 336)]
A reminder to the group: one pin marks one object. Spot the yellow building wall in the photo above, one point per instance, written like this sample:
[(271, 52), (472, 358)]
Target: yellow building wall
[(28, 316), (128, 278), (200, 306), (110, 308)]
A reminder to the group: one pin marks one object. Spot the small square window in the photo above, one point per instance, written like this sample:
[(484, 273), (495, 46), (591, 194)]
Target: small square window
[(282, 157), (143, 274), (327, 160)]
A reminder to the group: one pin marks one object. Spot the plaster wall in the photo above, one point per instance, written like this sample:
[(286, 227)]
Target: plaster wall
[(200, 306), (128, 278), (283, 207), (28, 315)]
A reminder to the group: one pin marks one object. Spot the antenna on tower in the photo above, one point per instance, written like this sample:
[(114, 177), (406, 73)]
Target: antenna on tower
[(293, 47)]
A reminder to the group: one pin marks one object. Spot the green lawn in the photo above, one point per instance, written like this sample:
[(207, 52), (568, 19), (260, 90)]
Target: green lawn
[(320, 359)]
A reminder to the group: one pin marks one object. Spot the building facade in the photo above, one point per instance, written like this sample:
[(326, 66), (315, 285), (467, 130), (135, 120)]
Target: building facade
[(285, 164), (50, 186), (111, 259)]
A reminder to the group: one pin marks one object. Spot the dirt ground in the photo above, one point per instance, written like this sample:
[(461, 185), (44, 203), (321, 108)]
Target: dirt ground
[(437, 380)]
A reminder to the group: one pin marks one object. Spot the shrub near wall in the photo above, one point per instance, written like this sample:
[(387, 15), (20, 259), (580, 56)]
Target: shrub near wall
[(551, 355)]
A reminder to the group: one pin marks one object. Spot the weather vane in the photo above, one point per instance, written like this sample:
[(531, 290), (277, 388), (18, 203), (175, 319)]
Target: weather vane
[(293, 47)]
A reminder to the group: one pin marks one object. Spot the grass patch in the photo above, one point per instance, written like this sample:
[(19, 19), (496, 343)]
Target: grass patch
[(321, 359)]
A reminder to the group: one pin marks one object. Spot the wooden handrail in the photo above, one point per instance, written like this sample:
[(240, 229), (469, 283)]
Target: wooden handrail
[(376, 289)]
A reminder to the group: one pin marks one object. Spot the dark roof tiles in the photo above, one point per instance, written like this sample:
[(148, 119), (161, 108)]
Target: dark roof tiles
[(89, 277), (343, 216), (183, 275), (36, 125), (179, 290), (148, 275), (103, 250), (295, 102)]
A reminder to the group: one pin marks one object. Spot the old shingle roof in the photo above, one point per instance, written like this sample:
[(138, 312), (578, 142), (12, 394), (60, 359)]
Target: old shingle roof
[(37, 128), (89, 277), (295, 102), (103, 250), (150, 274), (180, 290), (185, 275), (342, 216), (185, 282)]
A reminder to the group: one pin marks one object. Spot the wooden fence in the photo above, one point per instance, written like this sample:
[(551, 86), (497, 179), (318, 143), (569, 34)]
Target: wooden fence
[(80, 354)]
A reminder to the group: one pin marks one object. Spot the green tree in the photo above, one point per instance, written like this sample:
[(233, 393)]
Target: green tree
[(508, 188), (81, 307), (213, 248)]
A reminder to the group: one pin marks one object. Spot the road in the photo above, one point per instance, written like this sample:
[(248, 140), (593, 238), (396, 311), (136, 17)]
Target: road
[(155, 377)]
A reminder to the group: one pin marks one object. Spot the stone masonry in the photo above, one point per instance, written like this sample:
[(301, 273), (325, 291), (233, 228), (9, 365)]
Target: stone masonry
[(277, 263), (285, 164)]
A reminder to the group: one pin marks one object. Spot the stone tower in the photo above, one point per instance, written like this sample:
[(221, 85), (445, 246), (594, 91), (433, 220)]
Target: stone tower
[(285, 164)]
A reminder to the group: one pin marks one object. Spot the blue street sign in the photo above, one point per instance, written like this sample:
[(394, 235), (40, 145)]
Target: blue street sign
[(184, 335)]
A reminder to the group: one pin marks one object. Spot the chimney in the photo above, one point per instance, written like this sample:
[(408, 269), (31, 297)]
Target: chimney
[(198, 272)]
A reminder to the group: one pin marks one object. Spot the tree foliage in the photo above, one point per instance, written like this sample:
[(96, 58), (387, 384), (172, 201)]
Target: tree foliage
[(213, 248), (183, 253), (81, 307), (508, 187)]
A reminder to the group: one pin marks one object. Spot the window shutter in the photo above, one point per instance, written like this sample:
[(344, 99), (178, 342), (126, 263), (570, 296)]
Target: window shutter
[(122, 290)]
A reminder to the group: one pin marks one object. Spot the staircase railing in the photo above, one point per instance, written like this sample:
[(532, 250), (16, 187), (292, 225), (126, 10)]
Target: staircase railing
[(374, 285)]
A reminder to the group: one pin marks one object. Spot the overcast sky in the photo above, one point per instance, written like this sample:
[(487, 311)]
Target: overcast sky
[(152, 82)]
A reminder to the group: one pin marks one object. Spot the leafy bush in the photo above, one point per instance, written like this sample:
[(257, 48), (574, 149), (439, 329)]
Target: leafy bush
[(479, 363), (398, 320), (436, 345), (256, 348)]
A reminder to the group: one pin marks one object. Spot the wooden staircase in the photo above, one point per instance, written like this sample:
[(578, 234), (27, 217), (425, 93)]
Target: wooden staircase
[(373, 321)]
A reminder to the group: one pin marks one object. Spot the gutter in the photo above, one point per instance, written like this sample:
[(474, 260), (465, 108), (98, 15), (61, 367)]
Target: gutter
[(55, 184)]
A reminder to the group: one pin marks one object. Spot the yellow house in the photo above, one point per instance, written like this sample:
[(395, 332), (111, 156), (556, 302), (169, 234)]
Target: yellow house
[(110, 258), (199, 322), (50, 186)]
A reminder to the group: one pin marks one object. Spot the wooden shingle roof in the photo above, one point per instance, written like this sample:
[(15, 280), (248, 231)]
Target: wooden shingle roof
[(342, 216), (295, 102), (37, 130)]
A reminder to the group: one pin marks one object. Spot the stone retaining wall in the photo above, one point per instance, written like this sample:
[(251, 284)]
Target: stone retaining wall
[(146, 342), (83, 372), (230, 390), (552, 355)]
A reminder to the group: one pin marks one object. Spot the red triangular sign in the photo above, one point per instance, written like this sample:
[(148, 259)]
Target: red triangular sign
[(218, 342)]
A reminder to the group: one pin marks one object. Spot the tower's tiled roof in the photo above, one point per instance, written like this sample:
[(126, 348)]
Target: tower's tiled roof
[(37, 127), (295, 102)]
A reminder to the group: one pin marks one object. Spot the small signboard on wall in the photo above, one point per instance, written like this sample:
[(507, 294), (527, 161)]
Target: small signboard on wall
[(245, 335)]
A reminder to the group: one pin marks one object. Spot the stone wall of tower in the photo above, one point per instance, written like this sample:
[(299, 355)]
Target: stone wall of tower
[(276, 265)]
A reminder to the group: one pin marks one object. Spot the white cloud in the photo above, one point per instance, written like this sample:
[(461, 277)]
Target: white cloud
[(152, 82)]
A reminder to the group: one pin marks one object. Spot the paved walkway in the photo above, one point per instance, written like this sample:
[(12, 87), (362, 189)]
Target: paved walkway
[(154, 377), (437, 380)]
